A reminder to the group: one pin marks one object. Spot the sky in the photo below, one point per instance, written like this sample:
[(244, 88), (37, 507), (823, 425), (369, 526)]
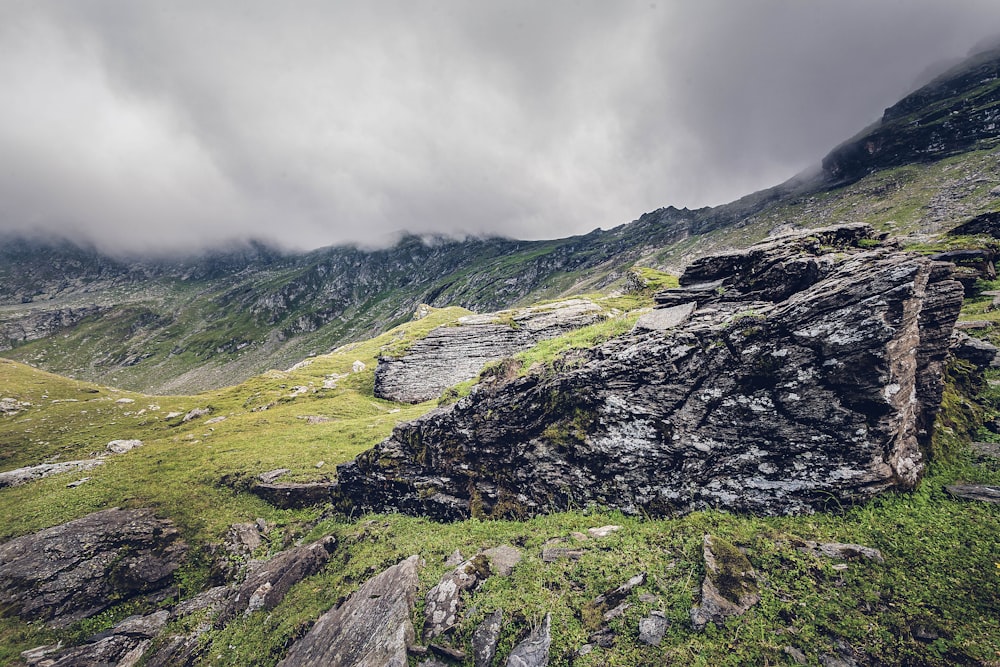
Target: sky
[(173, 126)]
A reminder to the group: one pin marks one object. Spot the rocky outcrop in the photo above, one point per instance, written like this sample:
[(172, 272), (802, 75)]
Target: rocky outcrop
[(20, 476), (123, 645), (809, 374), (72, 571), (371, 629), (455, 353), (37, 325)]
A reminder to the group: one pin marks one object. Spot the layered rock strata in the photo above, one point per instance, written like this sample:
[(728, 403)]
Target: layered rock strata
[(807, 375), (455, 353)]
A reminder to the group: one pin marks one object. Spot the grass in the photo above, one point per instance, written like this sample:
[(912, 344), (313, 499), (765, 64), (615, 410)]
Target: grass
[(939, 579)]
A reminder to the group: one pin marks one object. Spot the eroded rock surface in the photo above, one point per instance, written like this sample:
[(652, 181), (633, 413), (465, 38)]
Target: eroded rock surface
[(371, 629), (730, 584), (72, 571), (808, 374), (455, 353)]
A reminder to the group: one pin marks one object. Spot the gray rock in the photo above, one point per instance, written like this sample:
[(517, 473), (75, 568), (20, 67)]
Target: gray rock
[(72, 571), (269, 581), (986, 450), (503, 559), (652, 627), (122, 645), (662, 319), (454, 559), (830, 354), (842, 551), (443, 602), (371, 629), (603, 531), (11, 406), (730, 584), (27, 474), (558, 553), (485, 638), (979, 492), (455, 353), (795, 654), (294, 496), (122, 446), (196, 413), (533, 651), (977, 352), (272, 475)]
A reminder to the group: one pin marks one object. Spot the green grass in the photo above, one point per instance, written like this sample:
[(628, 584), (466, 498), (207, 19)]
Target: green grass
[(940, 571)]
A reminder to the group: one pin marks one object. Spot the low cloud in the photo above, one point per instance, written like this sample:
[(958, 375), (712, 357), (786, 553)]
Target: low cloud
[(177, 126)]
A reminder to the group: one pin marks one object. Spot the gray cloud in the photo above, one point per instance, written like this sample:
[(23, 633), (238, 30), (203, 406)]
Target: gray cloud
[(171, 126)]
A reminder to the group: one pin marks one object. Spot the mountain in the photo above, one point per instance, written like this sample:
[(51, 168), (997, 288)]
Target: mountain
[(208, 321)]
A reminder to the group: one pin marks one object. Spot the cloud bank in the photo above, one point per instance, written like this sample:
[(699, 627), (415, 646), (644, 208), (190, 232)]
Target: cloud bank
[(169, 127)]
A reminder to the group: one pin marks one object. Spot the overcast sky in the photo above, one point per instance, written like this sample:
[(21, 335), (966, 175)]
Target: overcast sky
[(175, 125)]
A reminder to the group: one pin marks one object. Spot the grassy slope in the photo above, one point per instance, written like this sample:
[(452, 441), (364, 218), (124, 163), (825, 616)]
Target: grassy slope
[(940, 571)]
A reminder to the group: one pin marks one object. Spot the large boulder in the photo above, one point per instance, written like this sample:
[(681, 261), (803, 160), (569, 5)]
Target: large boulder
[(808, 375), (69, 572), (454, 353)]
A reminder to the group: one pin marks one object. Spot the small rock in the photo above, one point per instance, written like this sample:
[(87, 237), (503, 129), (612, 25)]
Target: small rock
[(652, 627), (171, 415), (122, 446), (447, 652), (730, 584), (503, 559), (443, 602), (584, 650), (196, 413), (317, 419), (125, 401), (648, 598), (924, 633), (841, 550), (981, 492), (533, 651), (79, 482), (215, 420), (320, 464), (552, 555), (20, 476), (662, 319), (454, 559), (485, 639), (614, 613), (603, 531), (271, 475), (579, 537), (605, 638), (358, 366)]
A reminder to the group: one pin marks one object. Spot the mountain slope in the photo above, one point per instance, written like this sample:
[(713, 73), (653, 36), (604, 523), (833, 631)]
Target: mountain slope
[(169, 326)]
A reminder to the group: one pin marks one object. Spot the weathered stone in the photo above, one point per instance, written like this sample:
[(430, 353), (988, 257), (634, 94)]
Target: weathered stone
[(988, 450), (27, 474), (652, 627), (662, 319), (603, 531), (970, 266), (503, 559), (294, 496), (977, 352), (980, 492), (272, 475), (557, 553), (829, 353), (485, 638), (123, 645), (730, 584), (72, 571), (795, 654), (842, 551), (533, 651), (454, 559), (12, 406), (269, 581), (122, 446), (447, 652), (455, 353), (196, 413), (443, 602), (371, 629)]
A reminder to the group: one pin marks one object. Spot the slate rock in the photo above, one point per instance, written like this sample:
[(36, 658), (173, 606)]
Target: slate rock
[(454, 353), (979, 492), (662, 319), (443, 602), (503, 559), (269, 581), (485, 638), (20, 476), (371, 629), (533, 651), (122, 645), (730, 584), (72, 571), (122, 446), (977, 352), (652, 628), (843, 551), (830, 353), (294, 496)]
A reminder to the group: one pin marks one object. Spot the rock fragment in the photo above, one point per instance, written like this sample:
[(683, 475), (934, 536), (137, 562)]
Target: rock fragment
[(533, 651), (371, 629), (485, 638), (730, 584), (652, 628)]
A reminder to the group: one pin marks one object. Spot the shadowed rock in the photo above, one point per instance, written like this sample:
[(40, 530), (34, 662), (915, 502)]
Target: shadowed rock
[(123, 645), (809, 374), (72, 571), (371, 629), (981, 492), (485, 638), (533, 651)]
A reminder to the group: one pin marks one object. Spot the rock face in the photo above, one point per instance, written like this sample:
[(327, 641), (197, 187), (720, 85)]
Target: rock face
[(371, 629), (75, 570), (809, 373), (453, 354)]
